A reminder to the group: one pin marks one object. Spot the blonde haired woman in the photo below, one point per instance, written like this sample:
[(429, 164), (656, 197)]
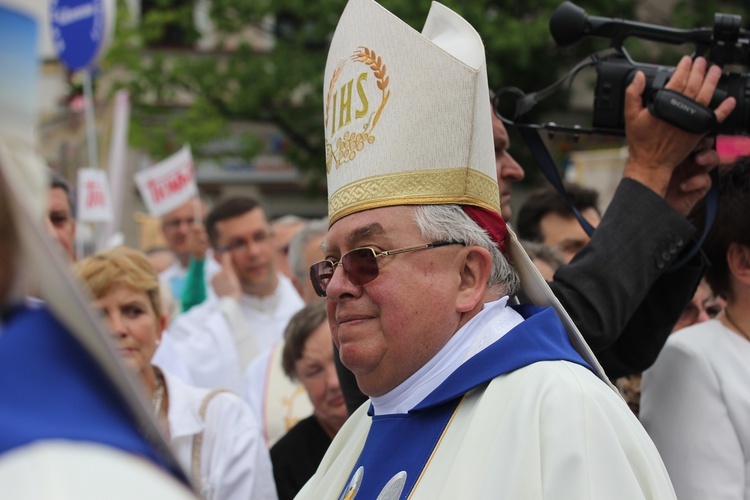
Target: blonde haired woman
[(213, 434)]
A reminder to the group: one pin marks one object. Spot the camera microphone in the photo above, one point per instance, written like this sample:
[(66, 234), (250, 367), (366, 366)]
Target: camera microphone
[(569, 23)]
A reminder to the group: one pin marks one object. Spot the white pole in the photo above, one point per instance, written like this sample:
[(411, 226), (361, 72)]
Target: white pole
[(117, 164), (88, 98)]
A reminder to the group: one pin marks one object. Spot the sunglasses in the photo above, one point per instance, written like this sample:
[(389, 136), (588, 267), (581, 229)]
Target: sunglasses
[(361, 264)]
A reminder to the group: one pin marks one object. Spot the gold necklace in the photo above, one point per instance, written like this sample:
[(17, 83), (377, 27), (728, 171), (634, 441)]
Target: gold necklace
[(731, 321), (158, 397)]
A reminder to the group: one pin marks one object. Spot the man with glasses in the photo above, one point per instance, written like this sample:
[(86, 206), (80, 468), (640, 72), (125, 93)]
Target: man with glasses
[(469, 397), (219, 338), (181, 230), (280, 401)]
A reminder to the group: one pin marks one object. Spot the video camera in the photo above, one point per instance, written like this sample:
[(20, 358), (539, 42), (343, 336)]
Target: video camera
[(726, 45)]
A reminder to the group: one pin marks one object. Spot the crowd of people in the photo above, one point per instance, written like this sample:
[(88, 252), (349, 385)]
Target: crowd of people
[(447, 357)]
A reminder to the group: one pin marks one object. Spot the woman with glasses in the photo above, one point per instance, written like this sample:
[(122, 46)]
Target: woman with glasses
[(696, 398), (212, 433)]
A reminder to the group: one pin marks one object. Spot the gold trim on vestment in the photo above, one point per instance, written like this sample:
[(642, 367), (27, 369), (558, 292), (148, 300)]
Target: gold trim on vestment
[(435, 448), (460, 186)]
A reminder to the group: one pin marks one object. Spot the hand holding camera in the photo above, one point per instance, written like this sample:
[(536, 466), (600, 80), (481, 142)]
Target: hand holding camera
[(657, 147)]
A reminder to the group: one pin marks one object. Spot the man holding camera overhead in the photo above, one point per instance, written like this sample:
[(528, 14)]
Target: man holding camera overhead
[(643, 232), (623, 291)]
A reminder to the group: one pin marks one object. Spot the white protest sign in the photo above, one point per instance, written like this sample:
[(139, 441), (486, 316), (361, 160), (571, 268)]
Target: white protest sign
[(94, 198), (168, 184)]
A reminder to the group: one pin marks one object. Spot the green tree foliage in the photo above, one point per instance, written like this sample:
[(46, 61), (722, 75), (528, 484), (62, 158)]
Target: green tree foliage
[(182, 95), (700, 13)]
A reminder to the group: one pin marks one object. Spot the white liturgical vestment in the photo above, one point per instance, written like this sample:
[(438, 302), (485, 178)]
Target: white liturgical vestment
[(219, 338), (524, 418)]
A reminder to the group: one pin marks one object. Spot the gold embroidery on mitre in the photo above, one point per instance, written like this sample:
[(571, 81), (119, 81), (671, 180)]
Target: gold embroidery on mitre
[(338, 112), (460, 186)]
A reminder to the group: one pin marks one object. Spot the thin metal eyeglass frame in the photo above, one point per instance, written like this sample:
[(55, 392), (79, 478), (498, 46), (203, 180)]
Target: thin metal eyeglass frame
[(232, 247), (243, 244), (316, 277)]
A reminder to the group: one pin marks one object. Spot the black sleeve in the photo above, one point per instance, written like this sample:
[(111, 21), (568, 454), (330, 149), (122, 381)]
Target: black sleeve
[(646, 333), (617, 290)]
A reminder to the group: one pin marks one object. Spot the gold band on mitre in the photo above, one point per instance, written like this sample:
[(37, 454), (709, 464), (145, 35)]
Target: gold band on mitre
[(460, 186)]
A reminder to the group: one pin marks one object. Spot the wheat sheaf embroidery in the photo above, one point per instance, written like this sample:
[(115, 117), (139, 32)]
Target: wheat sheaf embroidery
[(375, 63), (347, 147), (334, 78)]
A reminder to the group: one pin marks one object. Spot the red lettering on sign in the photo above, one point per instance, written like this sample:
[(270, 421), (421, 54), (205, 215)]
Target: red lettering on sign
[(170, 184), (94, 195)]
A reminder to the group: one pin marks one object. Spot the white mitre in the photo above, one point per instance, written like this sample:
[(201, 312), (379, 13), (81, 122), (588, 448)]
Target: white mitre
[(407, 117)]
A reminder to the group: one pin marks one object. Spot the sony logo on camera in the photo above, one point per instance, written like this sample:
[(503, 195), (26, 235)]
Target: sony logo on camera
[(682, 106)]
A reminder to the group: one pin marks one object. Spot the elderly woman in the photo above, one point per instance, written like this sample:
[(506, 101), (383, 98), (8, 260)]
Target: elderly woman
[(308, 357), (212, 433), (696, 397)]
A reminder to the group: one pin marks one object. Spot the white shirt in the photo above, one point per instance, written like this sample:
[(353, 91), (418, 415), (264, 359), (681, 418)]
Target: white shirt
[(268, 316), (206, 341), (695, 404), (235, 463)]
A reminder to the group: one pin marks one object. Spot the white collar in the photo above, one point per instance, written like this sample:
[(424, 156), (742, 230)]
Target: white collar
[(182, 413), (269, 303), (492, 322)]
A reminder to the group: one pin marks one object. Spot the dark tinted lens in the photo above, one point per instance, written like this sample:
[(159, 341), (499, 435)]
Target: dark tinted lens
[(361, 265), (320, 275)]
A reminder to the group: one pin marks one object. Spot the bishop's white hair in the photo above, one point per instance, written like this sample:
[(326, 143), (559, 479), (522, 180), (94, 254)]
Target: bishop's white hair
[(451, 223)]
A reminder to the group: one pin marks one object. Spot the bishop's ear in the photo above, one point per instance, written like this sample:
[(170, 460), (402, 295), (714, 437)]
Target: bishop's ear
[(475, 272)]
